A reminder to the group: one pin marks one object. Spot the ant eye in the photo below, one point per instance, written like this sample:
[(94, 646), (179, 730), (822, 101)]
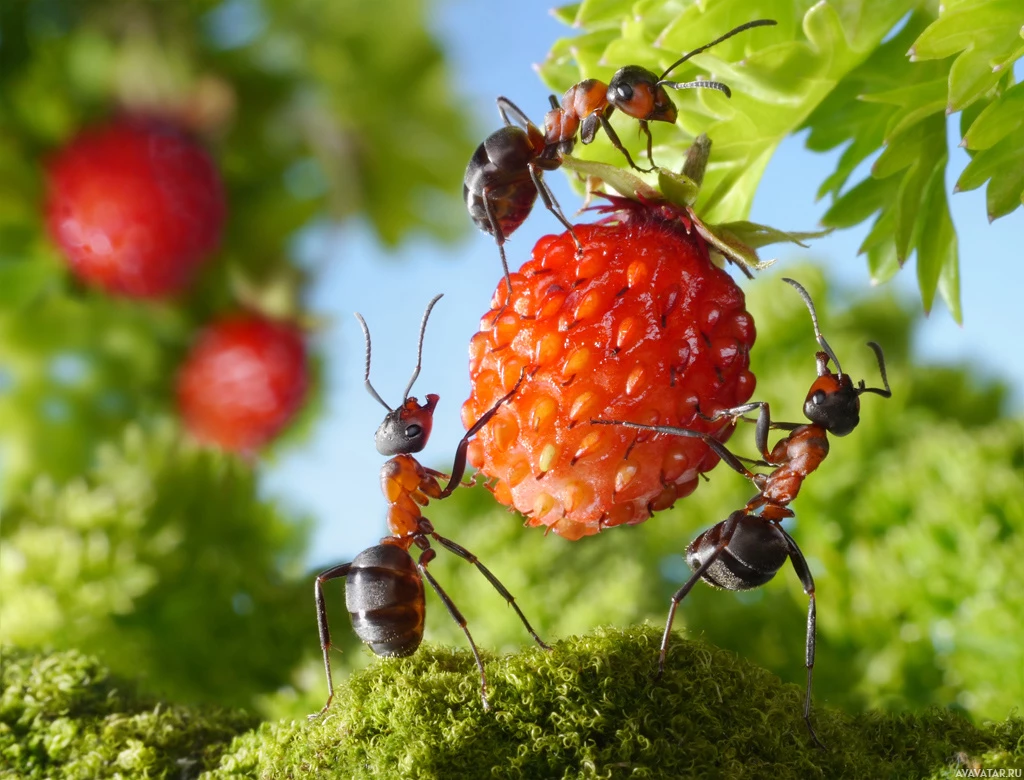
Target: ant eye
[(413, 431), (624, 92), (818, 398)]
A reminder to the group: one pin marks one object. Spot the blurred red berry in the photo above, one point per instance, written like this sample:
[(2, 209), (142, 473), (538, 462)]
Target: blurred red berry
[(642, 328), (136, 206), (243, 381)]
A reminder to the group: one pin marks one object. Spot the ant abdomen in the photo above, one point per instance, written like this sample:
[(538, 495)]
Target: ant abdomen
[(754, 554), (384, 597)]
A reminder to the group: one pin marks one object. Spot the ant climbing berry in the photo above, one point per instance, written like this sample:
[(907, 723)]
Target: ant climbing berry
[(504, 175), (749, 547), (383, 584)]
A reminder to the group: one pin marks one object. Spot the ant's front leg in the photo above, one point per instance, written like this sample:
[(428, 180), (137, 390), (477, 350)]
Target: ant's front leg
[(459, 466), (763, 424)]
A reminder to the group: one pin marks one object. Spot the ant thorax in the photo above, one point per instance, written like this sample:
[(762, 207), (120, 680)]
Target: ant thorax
[(407, 486)]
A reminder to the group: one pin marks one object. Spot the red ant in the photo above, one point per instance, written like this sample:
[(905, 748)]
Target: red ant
[(746, 550), (383, 585), (504, 174)]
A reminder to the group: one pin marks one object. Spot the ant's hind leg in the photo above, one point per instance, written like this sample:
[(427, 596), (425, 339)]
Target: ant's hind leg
[(426, 557), (325, 631), (466, 555), (551, 204)]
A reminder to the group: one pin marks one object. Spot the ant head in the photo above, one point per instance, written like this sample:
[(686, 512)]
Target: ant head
[(833, 402), (636, 92), (405, 430)]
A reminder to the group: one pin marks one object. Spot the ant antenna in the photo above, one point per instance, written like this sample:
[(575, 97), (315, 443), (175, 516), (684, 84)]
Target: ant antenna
[(886, 393), (814, 320), (366, 377), (419, 349), (705, 47), (696, 85)]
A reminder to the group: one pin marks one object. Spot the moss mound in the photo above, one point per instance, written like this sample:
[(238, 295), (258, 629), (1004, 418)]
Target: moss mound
[(591, 709), (65, 716)]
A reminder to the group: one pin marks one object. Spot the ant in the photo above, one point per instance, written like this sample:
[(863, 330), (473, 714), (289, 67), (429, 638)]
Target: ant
[(748, 548), (504, 175), (383, 585)]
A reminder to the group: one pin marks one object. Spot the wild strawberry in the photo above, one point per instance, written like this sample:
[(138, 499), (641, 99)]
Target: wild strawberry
[(135, 206), (243, 381), (642, 328)]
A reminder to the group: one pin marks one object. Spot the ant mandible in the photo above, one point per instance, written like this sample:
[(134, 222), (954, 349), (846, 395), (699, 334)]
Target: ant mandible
[(383, 585), (748, 548), (504, 175)]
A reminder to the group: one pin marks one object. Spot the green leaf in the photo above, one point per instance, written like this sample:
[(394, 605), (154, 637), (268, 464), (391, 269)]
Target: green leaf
[(1000, 118), (858, 204), (986, 36), (883, 262), (999, 165), (937, 246)]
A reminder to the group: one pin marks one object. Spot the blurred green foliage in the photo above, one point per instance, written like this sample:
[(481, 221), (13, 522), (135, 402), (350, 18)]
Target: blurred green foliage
[(913, 527), (869, 76), (166, 561), (65, 716)]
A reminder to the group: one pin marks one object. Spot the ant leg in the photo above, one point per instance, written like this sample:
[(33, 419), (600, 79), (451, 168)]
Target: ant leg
[(650, 143), (426, 557), (506, 107), (551, 204), (499, 239), (459, 466), (325, 631), (804, 573), (720, 449), (466, 555), (614, 138), (728, 529), (764, 424)]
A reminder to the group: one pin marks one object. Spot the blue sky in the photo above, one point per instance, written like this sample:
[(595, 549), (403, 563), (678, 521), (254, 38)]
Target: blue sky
[(491, 48)]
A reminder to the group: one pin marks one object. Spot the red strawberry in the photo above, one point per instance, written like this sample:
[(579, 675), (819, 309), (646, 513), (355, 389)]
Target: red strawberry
[(643, 328), (243, 381), (136, 206)]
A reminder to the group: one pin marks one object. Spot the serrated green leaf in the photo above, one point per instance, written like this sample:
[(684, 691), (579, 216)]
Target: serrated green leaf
[(949, 282), (883, 262), (997, 120), (594, 13), (937, 246), (566, 14), (986, 34), (990, 162), (1000, 166), (880, 236), (858, 204), (970, 77), (960, 25)]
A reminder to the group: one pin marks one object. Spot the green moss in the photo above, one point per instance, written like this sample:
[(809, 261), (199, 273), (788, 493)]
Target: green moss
[(589, 709), (592, 709), (65, 716)]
